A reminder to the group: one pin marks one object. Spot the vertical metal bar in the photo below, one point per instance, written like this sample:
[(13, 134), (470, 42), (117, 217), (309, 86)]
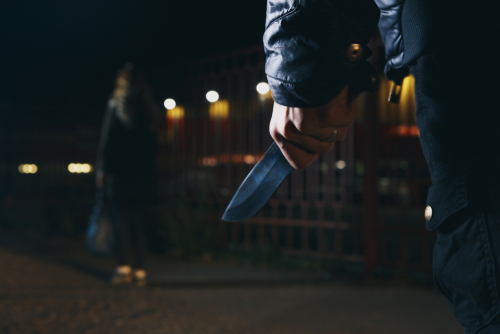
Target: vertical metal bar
[(183, 155), (242, 129), (275, 235), (305, 239), (206, 136), (370, 156), (229, 122), (248, 235), (321, 240), (175, 149), (261, 234), (338, 242), (235, 232), (370, 194), (289, 237)]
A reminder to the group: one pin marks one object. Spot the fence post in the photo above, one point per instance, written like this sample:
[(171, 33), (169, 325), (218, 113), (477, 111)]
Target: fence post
[(370, 158), (370, 193)]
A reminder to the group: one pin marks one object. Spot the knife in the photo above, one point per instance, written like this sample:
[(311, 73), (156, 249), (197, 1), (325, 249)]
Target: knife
[(258, 186), (271, 170)]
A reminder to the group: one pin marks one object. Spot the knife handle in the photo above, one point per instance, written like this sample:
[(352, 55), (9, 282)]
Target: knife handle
[(395, 92)]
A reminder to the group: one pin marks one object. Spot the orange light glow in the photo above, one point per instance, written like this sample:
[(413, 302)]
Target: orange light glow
[(219, 109), (225, 159), (403, 130), (414, 131), (175, 113), (236, 159)]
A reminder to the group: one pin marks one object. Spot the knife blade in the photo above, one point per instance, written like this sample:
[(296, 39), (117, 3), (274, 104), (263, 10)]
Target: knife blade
[(258, 186)]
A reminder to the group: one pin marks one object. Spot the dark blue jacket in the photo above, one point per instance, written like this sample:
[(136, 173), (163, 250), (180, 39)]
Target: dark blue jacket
[(306, 43)]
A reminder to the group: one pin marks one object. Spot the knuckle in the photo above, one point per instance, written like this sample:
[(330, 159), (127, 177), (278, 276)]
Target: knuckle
[(273, 132), (272, 126), (287, 132), (302, 126)]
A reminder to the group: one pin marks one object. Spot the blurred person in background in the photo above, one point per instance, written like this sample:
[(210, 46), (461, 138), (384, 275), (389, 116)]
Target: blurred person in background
[(126, 169)]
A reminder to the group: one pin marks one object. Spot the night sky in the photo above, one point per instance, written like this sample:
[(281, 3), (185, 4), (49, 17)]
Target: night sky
[(58, 59)]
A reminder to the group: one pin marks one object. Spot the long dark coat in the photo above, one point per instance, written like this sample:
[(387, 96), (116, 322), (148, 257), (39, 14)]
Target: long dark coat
[(127, 155)]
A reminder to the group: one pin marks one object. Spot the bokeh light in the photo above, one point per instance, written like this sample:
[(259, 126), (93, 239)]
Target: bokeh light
[(27, 169), (263, 88), (169, 104), (212, 96), (80, 168)]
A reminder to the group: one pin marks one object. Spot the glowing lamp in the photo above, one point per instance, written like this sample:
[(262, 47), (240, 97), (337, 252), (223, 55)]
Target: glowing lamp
[(212, 96), (79, 168), (169, 104), (27, 169), (263, 88)]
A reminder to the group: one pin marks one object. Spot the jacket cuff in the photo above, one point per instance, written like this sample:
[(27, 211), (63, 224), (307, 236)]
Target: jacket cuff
[(304, 96)]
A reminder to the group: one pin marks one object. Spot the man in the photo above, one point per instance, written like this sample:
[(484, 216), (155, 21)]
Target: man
[(316, 54)]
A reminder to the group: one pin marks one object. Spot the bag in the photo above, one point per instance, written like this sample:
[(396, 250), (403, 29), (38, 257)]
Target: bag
[(100, 240)]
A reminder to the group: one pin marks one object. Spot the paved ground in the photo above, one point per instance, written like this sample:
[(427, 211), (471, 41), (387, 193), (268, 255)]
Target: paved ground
[(55, 288)]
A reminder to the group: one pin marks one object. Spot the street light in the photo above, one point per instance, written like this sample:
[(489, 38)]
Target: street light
[(79, 168), (340, 164), (212, 96), (263, 88), (27, 169), (169, 104)]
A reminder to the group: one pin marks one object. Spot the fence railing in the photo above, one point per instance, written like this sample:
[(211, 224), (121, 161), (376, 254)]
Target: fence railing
[(361, 202)]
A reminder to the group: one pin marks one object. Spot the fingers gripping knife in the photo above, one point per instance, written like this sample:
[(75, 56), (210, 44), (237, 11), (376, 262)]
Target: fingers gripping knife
[(272, 169)]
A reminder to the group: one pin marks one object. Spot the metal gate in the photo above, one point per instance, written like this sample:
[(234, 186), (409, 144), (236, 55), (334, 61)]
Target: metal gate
[(335, 209)]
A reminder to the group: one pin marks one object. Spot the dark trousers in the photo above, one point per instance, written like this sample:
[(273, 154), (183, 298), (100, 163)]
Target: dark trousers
[(459, 136), (129, 219)]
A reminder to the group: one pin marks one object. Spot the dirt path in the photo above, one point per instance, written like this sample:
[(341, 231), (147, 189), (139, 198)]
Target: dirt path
[(40, 295)]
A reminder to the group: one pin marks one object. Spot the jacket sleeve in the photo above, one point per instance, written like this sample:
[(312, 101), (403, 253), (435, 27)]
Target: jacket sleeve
[(391, 30), (306, 43)]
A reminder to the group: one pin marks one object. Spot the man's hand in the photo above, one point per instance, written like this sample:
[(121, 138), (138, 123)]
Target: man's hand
[(301, 132)]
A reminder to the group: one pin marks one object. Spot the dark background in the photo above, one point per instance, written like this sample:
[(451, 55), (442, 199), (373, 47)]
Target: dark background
[(58, 59)]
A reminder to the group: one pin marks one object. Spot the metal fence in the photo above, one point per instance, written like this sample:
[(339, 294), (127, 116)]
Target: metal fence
[(361, 202)]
